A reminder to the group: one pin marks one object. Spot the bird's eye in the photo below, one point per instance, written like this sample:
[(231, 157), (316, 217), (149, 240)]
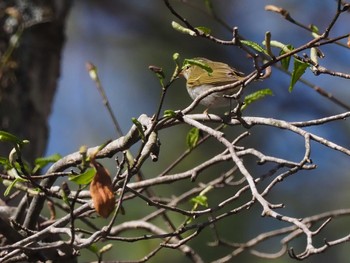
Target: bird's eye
[(185, 68)]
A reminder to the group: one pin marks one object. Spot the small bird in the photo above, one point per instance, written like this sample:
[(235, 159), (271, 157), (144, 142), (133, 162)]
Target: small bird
[(200, 80)]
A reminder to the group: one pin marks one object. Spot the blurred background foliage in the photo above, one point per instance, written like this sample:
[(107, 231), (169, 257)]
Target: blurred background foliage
[(123, 37)]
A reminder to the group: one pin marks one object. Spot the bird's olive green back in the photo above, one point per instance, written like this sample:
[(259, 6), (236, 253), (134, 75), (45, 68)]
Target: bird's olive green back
[(222, 74)]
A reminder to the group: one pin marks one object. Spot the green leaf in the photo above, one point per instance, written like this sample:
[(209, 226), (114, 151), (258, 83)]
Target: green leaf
[(65, 191), (182, 29), (9, 188), (8, 137), (204, 29), (285, 62), (139, 127), (199, 63), (280, 45), (298, 71), (84, 178), (13, 173), (176, 56), (254, 46), (192, 137), (5, 162), (284, 49), (249, 99), (314, 29), (169, 114), (200, 200), (93, 248), (105, 248), (43, 161), (65, 197), (161, 76)]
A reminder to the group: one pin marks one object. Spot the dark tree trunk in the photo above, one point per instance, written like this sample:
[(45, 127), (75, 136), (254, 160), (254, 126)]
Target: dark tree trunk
[(31, 41), (28, 74)]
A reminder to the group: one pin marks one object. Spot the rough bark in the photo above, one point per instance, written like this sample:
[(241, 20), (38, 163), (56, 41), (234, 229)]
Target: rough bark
[(29, 70), (31, 41)]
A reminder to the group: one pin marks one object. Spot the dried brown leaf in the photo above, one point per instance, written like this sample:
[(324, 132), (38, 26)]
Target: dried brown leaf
[(101, 190)]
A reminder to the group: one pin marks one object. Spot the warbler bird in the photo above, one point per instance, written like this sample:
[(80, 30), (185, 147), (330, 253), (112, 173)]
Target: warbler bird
[(200, 80)]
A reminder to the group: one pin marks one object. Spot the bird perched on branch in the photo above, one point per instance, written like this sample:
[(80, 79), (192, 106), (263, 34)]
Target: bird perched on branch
[(203, 74)]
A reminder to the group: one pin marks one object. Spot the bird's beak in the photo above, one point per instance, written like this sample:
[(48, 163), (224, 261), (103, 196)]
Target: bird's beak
[(181, 74)]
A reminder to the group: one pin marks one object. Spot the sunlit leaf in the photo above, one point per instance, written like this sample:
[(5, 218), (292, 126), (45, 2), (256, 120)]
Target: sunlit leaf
[(314, 29), (43, 161), (139, 127), (84, 178), (176, 56), (284, 49), (254, 46), (5, 162), (13, 173), (298, 71), (8, 137), (285, 62), (169, 114), (105, 248), (9, 188), (200, 200), (192, 137), (204, 29), (258, 95), (65, 191), (182, 29), (280, 45), (65, 197)]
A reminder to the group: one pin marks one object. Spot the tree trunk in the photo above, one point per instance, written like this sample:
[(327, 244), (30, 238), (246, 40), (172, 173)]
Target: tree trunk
[(29, 70), (31, 41)]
